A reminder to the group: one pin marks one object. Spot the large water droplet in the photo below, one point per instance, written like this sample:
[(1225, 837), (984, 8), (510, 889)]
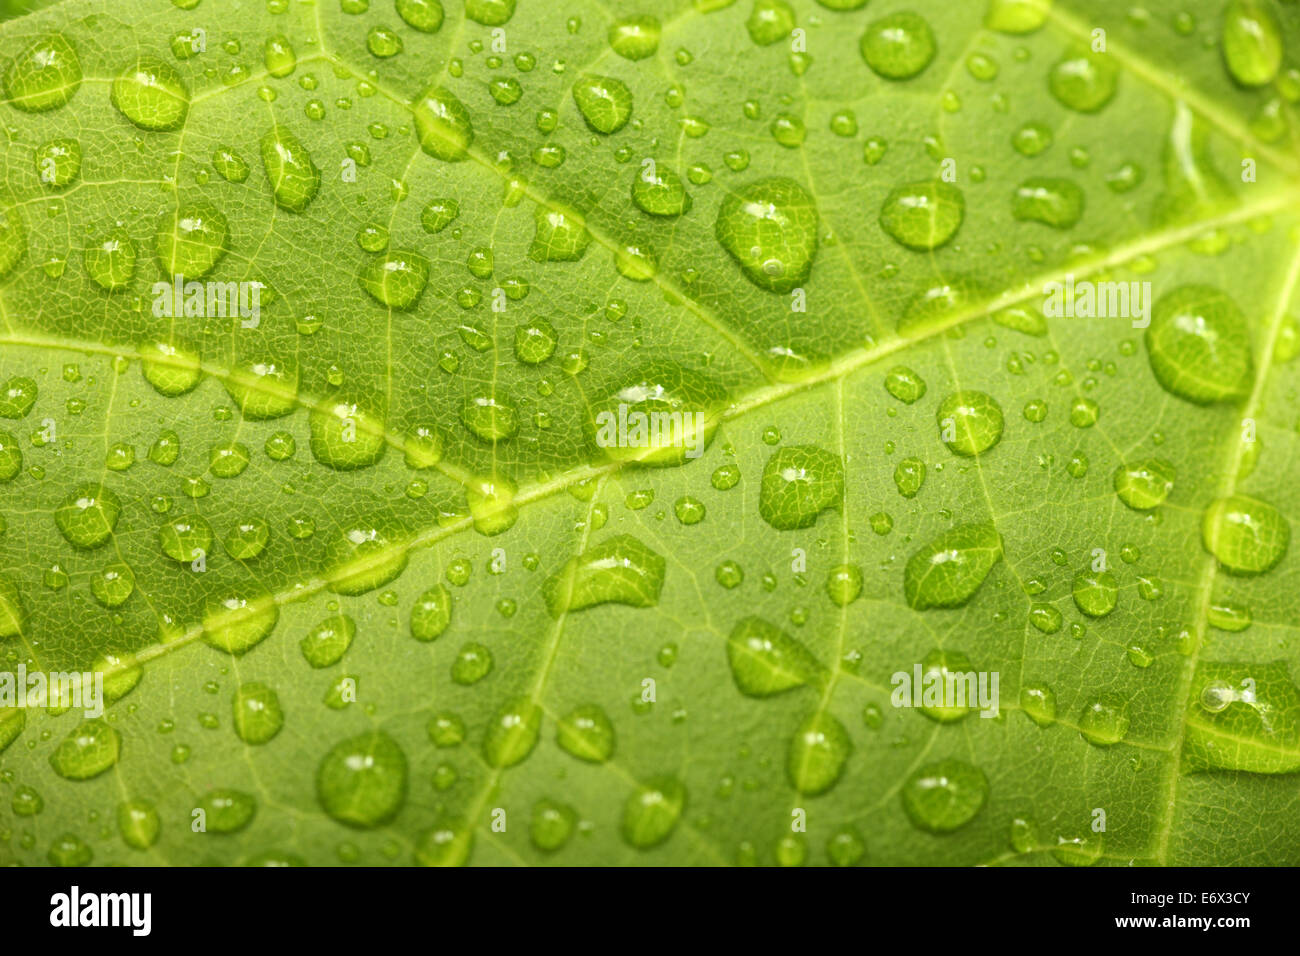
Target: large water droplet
[(236, 623), (651, 813), (1246, 535), (1199, 346), (940, 797), (765, 660), (769, 227), (88, 515), (621, 570), (294, 178), (512, 733), (1252, 42), (362, 780), (44, 75), (1144, 484), (970, 423), (799, 483), (898, 46), (89, 749), (923, 215), (949, 570), (151, 94), (817, 754), (604, 102), (443, 125)]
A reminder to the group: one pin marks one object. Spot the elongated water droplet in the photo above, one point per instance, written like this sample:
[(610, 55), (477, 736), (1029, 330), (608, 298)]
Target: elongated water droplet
[(1252, 42), (512, 733), (257, 713), (1052, 201), (817, 754), (294, 178), (236, 623), (431, 613), (621, 570)]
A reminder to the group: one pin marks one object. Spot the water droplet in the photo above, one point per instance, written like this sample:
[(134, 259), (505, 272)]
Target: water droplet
[(586, 733), (604, 102), (138, 824), (899, 46), (423, 15), (361, 782), (621, 570), (769, 227), (970, 423), (1246, 535), (293, 176), (151, 94), (949, 570), (1145, 484), (1095, 592), (942, 796), (652, 811), (817, 754), (345, 436), (44, 75), (1104, 721), (512, 733), (257, 713), (431, 613), (325, 644), (635, 38), (236, 623), (560, 235), (765, 660), (1199, 346), (88, 515), (923, 215), (91, 748), (800, 482), (1053, 202), (191, 240), (1252, 42), (1084, 81), (443, 125), (397, 279)]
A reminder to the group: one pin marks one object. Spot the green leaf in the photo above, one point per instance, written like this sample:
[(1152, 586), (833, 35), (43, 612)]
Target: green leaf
[(518, 433)]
